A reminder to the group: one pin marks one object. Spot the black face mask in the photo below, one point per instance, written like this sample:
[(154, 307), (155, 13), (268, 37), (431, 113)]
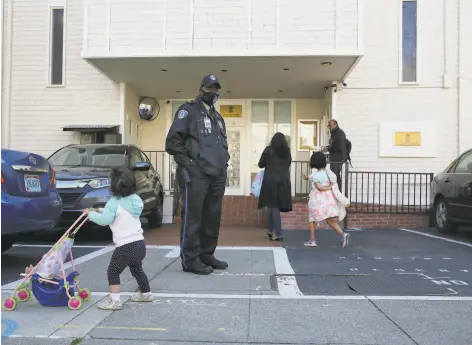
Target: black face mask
[(210, 98)]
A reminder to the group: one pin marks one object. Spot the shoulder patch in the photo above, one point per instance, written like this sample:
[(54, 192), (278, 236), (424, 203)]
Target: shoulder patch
[(182, 114)]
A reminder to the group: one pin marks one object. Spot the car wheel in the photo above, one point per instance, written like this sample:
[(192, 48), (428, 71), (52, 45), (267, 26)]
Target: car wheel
[(156, 215), (443, 224), (7, 242)]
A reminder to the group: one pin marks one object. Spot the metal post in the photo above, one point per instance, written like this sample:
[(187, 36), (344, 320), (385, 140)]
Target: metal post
[(346, 189)]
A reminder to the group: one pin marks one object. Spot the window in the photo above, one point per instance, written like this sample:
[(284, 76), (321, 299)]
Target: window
[(106, 156), (135, 157), (283, 118), (409, 61), (56, 68), (465, 164), (260, 132)]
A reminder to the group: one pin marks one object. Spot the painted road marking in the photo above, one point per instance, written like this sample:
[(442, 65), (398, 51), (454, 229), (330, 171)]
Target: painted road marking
[(437, 237), (11, 327), (174, 253), (286, 281), (296, 297), (189, 302), (218, 248), (146, 329), (240, 274)]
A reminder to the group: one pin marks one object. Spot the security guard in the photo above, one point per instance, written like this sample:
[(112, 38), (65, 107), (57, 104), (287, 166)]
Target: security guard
[(197, 140)]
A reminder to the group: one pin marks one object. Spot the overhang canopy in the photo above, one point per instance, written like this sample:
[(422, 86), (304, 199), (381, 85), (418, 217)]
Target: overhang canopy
[(89, 128), (241, 77)]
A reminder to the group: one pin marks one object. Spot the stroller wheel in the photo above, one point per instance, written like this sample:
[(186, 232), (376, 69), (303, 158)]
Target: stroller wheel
[(24, 295), (9, 304), (85, 294), (75, 303)]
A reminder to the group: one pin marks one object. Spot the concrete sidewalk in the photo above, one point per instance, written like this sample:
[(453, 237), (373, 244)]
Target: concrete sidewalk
[(256, 300)]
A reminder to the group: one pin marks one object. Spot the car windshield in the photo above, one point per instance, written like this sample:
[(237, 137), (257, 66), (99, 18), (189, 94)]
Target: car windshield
[(89, 156)]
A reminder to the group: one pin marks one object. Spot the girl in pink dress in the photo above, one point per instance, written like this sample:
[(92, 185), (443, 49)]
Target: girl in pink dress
[(326, 201)]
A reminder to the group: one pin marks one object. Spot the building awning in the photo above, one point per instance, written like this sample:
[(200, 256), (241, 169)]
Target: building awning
[(89, 128)]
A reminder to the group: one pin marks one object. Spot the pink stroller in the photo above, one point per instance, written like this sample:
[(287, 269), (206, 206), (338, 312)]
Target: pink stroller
[(49, 288)]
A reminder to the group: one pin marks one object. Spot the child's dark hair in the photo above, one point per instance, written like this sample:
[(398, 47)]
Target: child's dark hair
[(123, 182), (318, 160)]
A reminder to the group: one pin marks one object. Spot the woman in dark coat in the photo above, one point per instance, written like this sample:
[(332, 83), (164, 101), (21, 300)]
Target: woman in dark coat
[(276, 190)]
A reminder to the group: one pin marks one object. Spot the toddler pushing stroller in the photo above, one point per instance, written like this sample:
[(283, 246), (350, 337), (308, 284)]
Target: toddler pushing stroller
[(48, 279)]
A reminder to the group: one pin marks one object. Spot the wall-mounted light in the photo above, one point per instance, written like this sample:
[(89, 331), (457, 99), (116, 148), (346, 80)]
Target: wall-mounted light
[(224, 70), (326, 63), (286, 69), (163, 70)]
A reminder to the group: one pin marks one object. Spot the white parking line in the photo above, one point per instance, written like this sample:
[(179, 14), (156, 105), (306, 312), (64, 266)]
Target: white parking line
[(286, 281), (174, 253), (437, 237), (292, 297)]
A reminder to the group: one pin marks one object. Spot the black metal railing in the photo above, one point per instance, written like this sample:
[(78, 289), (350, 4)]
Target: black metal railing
[(374, 192), (302, 188), (165, 166), (389, 192)]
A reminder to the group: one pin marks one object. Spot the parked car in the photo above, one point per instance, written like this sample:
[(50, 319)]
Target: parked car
[(82, 178), (30, 202), (451, 194)]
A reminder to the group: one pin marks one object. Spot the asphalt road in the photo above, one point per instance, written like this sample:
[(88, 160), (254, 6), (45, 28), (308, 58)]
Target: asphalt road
[(389, 287), (383, 262)]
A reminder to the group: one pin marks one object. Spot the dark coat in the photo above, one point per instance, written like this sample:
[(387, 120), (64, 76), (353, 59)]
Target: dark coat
[(276, 190), (337, 146)]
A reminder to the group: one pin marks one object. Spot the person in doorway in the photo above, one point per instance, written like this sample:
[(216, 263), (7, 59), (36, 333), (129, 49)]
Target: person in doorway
[(197, 140), (276, 192), (337, 150), (326, 202)]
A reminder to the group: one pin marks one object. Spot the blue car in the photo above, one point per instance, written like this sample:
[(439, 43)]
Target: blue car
[(30, 202), (82, 174)]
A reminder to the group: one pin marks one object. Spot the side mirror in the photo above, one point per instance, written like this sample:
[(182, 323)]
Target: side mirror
[(141, 166)]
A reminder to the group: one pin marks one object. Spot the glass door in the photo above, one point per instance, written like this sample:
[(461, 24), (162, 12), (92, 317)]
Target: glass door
[(234, 181)]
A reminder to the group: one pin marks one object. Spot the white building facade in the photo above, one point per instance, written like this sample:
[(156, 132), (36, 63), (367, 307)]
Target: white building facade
[(395, 74)]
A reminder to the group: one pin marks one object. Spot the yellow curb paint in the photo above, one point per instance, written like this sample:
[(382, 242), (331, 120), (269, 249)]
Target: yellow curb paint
[(146, 329)]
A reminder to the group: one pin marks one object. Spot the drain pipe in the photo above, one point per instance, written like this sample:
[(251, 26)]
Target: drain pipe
[(6, 73)]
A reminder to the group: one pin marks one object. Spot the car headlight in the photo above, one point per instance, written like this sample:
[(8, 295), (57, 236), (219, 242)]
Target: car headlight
[(99, 183)]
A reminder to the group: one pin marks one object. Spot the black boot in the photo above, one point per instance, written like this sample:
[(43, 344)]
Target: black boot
[(215, 263), (197, 267)]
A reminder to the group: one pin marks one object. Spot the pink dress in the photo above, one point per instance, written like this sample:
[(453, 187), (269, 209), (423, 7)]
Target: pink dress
[(325, 204)]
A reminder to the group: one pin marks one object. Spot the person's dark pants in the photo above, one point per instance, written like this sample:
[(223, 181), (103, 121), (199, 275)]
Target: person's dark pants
[(336, 168), (202, 198), (129, 255), (274, 221)]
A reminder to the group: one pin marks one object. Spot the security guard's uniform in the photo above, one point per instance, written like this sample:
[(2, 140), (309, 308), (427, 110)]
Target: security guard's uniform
[(197, 140)]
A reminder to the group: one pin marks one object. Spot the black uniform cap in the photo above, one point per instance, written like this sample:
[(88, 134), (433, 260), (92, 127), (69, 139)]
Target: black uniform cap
[(210, 80)]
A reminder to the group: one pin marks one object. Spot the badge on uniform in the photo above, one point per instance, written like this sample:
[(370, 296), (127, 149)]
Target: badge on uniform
[(220, 124), (212, 77), (182, 114), (207, 123)]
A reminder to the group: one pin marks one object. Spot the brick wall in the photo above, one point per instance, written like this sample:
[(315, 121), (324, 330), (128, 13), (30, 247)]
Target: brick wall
[(242, 211)]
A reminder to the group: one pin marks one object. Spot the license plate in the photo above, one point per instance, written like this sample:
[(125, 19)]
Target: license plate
[(32, 183)]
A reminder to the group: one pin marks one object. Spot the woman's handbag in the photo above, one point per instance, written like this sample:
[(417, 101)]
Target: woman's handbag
[(257, 184)]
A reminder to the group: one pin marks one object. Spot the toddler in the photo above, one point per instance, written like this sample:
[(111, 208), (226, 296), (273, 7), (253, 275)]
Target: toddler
[(326, 201), (122, 214)]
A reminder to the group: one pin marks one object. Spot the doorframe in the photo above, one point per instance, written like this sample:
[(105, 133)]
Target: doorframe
[(240, 124)]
